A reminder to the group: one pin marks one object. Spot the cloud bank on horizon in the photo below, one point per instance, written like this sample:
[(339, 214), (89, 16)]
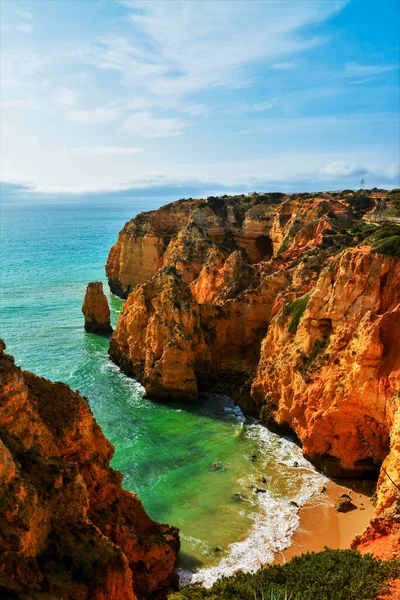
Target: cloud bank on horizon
[(108, 97)]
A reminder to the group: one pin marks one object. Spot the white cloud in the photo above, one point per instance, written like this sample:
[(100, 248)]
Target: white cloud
[(147, 125), (19, 104), (24, 14), (342, 169), (94, 116), (195, 110), (285, 65), (24, 28), (259, 106), (262, 174), (65, 97), (353, 69), (180, 47), (324, 123), (105, 150)]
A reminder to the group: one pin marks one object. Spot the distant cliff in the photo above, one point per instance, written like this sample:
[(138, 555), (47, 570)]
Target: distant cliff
[(68, 531)]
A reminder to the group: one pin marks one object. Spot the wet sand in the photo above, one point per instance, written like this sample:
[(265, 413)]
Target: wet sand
[(321, 525)]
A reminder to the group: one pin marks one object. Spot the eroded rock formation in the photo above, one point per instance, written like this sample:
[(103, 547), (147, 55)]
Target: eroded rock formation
[(67, 528), (96, 310), (159, 338), (224, 253), (334, 379), (382, 537), (287, 305)]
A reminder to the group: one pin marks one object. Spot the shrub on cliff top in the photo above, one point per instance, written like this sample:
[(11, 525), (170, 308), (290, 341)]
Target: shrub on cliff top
[(389, 246), (327, 575), (387, 240), (296, 309)]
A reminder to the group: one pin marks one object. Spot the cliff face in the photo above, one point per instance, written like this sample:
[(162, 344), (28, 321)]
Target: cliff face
[(68, 530), (96, 310), (382, 537), (225, 252), (334, 379), (225, 313), (159, 339), (289, 304)]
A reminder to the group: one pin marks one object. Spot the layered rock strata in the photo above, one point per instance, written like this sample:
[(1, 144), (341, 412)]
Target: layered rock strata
[(96, 310), (224, 252), (334, 380), (67, 529)]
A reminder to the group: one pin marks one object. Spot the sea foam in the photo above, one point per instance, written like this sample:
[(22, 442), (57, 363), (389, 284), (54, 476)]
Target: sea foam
[(277, 515)]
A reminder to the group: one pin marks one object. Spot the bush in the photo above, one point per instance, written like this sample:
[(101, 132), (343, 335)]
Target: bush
[(387, 240), (361, 227), (296, 309), (361, 203), (389, 246), (387, 231), (327, 575)]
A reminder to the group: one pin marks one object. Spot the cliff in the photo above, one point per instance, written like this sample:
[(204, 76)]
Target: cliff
[(334, 378), (229, 263), (290, 304), (96, 310), (68, 530), (159, 339)]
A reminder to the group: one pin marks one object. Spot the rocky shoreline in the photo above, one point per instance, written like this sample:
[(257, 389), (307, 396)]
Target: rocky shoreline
[(68, 529), (284, 302)]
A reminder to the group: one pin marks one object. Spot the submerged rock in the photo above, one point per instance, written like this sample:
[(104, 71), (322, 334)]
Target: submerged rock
[(96, 310)]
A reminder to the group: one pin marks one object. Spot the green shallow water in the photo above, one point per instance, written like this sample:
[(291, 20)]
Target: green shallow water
[(191, 466)]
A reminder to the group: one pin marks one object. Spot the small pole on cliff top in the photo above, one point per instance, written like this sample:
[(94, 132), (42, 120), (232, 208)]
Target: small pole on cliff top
[(362, 183)]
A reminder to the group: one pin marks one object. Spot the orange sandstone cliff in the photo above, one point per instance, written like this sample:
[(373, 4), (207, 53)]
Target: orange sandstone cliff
[(96, 310), (335, 378), (291, 304), (67, 529), (227, 272)]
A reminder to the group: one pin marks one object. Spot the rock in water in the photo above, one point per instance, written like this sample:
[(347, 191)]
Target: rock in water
[(96, 310)]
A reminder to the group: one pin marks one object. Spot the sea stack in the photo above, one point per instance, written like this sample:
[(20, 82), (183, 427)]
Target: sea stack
[(96, 310)]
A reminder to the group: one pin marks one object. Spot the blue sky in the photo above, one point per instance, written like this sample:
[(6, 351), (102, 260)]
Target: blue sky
[(112, 97)]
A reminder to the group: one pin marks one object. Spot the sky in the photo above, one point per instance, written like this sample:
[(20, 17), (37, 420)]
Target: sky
[(107, 98)]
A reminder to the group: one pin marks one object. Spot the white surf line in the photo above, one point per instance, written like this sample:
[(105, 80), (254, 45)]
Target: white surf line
[(278, 517)]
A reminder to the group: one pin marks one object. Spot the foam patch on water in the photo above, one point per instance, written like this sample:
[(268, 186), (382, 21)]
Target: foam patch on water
[(277, 516)]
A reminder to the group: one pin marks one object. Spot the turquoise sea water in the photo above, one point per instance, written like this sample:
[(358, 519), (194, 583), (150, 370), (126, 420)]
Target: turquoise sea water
[(191, 466)]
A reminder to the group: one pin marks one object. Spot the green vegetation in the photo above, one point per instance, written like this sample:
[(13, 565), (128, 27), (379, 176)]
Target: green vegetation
[(296, 310), (308, 359), (360, 203), (285, 245), (389, 246), (363, 228), (295, 228), (328, 575), (274, 594), (387, 240)]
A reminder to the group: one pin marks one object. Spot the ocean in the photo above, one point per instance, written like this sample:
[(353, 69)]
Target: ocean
[(192, 466)]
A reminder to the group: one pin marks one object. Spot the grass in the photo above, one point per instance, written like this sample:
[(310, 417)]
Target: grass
[(296, 310), (327, 575), (274, 594)]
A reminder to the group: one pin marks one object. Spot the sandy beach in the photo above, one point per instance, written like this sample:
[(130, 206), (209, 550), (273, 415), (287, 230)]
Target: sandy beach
[(321, 525)]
